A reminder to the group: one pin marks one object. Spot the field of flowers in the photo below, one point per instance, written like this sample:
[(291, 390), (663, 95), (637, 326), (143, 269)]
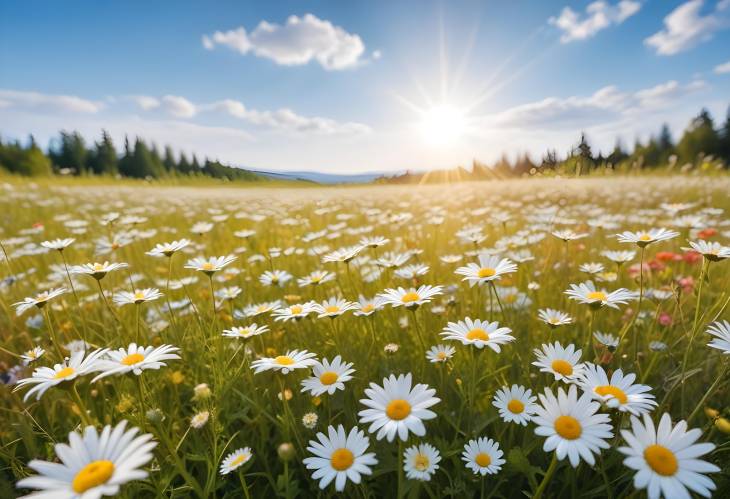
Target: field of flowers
[(539, 338)]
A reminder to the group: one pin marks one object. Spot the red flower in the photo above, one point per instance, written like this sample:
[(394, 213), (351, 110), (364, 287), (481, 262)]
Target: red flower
[(668, 256), (706, 233), (692, 257)]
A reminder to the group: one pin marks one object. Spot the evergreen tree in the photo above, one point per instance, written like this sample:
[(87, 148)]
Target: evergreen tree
[(699, 138), (183, 166), (169, 160), (725, 139), (125, 165), (103, 159), (72, 153)]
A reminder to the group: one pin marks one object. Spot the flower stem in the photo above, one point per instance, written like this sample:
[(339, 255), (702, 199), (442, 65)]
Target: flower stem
[(546, 479)]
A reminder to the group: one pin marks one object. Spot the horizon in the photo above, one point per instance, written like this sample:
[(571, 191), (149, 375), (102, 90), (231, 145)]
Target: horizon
[(388, 89)]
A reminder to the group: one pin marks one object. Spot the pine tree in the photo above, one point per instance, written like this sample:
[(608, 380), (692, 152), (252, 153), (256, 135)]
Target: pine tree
[(169, 160), (699, 138), (104, 159)]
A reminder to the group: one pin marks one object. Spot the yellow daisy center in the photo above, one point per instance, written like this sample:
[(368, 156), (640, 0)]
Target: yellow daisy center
[(486, 272), (483, 459), (296, 309), (133, 358), (515, 406), (568, 427), (613, 391), (398, 409), (410, 297), (645, 237), (421, 462), (98, 266), (239, 459), (65, 373), (441, 355), (596, 295), (661, 460), (342, 459), (284, 360), (207, 266), (477, 334), (562, 367), (332, 309), (367, 308), (328, 377), (92, 475), (139, 295)]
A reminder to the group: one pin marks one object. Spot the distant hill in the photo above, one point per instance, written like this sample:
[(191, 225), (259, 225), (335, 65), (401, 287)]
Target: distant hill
[(318, 177)]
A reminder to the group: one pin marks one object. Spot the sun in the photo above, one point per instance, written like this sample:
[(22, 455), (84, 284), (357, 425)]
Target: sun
[(442, 125)]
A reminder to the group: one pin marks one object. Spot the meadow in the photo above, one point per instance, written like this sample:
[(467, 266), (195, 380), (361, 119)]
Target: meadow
[(518, 338)]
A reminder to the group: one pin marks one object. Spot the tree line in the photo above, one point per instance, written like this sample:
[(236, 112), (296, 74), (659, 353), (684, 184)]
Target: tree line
[(69, 154)]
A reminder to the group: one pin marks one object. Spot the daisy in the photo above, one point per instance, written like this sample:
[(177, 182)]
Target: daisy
[(483, 456), (210, 265), (258, 309), (605, 339), (58, 244), (368, 307), (619, 392), (199, 420), (168, 249), (409, 298), (591, 268), (293, 359), (92, 465), (412, 271), (328, 377), (563, 363), (315, 278), (235, 460), (420, 462), (645, 238), (666, 458), (333, 307), (245, 331), (515, 404), (340, 456), (122, 298), (97, 270), (229, 293), (296, 312), (554, 318), (568, 235), (32, 355), (573, 426), (373, 241), (342, 254), (275, 278), (135, 359), (619, 256), (587, 293), (478, 333), (440, 353), (201, 228), (490, 268), (712, 251), (396, 408), (39, 300), (44, 378), (721, 331), (393, 260)]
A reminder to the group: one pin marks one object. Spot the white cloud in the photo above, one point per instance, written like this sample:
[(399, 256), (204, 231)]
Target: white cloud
[(178, 107), (297, 42), (606, 105), (48, 102), (145, 102), (722, 68), (686, 27), (598, 16)]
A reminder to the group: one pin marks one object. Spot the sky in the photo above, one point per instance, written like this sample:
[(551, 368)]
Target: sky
[(362, 86)]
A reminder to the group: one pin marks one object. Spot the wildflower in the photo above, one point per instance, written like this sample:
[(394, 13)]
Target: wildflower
[(420, 462), (316, 278), (515, 404), (605, 339), (38, 300), (92, 464), (275, 278), (32, 355), (122, 298), (554, 318), (210, 265), (587, 293), (97, 270), (397, 407), (295, 312), (411, 298), (58, 244), (563, 363), (168, 249), (619, 392), (235, 460), (490, 268), (201, 391), (333, 307), (245, 331), (293, 359), (199, 420), (328, 376), (645, 238), (309, 420), (721, 333), (568, 235), (712, 251), (483, 456), (391, 348), (342, 254), (478, 333), (339, 456), (45, 377), (573, 426), (135, 359), (666, 458), (440, 353)]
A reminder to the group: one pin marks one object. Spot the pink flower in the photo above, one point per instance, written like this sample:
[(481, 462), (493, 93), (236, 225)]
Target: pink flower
[(665, 319)]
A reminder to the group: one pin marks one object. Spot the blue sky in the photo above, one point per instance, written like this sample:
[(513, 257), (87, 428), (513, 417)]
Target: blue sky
[(362, 86)]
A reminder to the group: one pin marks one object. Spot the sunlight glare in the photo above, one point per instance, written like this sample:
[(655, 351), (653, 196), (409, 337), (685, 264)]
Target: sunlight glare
[(442, 125)]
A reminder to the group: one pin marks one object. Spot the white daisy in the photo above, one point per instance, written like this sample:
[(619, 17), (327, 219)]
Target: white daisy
[(275, 278), (334, 307), (235, 460), (135, 359), (92, 465), (32, 355), (440, 353), (573, 426), (316, 278), (619, 392), (373, 242), (619, 256), (396, 408), (328, 376), (587, 293), (209, 266), (38, 300), (489, 268), (412, 271), (97, 270), (122, 298), (563, 363), (168, 249), (257, 309), (342, 254), (58, 244), (721, 331), (340, 456), (483, 456), (554, 318), (45, 377), (666, 458), (515, 404), (645, 238), (568, 235), (478, 333), (293, 312), (245, 331), (293, 359), (368, 307), (713, 251), (409, 298), (420, 462), (606, 339)]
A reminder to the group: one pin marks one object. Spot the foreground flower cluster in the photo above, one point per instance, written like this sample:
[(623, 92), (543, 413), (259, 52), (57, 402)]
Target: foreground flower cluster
[(423, 343)]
